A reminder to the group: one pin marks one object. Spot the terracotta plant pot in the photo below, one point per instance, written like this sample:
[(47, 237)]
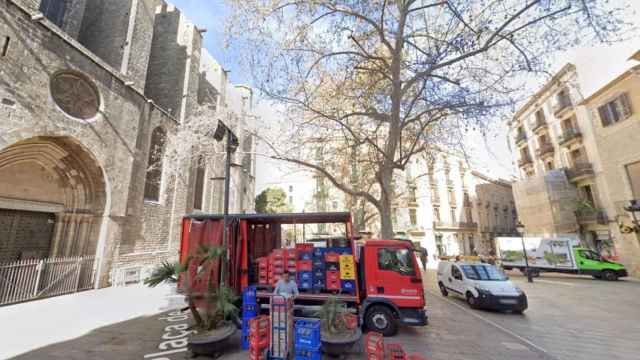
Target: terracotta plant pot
[(336, 345), (212, 343)]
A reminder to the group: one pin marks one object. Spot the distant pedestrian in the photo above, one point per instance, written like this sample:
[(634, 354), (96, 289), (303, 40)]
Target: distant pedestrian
[(424, 255), (286, 287)]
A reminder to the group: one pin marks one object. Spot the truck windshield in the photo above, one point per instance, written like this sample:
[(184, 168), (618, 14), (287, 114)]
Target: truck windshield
[(395, 259), (483, 272)]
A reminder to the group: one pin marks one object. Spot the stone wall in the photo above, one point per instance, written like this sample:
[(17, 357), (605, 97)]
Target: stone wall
[(96, 151)]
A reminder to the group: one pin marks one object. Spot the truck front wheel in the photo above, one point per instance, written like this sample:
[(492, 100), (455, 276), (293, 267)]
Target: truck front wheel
[(609, 275), (380, 319)]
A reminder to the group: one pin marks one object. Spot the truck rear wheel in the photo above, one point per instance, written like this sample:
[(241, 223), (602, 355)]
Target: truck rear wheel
[(380, 319), (609, 275)]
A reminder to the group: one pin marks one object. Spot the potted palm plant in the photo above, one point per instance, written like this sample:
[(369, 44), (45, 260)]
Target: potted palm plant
[(213, 309), (339, 328)]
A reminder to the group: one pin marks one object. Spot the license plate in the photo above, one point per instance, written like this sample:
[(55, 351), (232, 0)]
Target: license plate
[(509, 301)]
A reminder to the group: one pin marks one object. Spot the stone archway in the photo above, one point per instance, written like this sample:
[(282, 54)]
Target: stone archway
[(58, 176)]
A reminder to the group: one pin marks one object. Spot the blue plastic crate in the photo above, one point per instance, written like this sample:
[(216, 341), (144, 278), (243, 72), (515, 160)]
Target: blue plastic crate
[(250, 308), (306, 334), (340, 250), (319, 274), (249, 296), (305, 276), (307, 355), (319, 252), (305, 255), (245, 342), (348, 285), (306, 284), (319, 284)]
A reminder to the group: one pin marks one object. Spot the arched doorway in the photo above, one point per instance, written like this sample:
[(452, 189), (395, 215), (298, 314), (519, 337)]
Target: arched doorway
[(52, 199)]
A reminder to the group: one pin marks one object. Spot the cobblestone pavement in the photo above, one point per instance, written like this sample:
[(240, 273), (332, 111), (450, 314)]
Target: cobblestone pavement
[(568, 318)]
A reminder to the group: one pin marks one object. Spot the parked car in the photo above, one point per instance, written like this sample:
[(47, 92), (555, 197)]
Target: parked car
[(481, 285)]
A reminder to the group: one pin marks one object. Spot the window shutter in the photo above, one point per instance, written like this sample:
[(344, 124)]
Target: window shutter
[(604, 115), (625, 105)]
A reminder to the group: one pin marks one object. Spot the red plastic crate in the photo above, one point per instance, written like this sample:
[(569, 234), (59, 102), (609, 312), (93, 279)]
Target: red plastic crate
[(259, 323), (332, 257), (305, 265), (333, 276), (396, 352), (333, 285), (292, 254), (374, 341), (279, 253), (263, 263), (304, 247)]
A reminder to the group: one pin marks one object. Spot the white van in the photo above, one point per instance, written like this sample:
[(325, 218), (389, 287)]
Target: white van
[(482, 285)]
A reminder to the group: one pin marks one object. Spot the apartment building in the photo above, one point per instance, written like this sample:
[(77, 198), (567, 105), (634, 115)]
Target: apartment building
[(575, 158), (615, 115), (452, 209)]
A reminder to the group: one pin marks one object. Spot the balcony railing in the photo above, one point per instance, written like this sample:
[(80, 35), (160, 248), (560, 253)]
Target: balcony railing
[(455, 225), (539, 124), (592, 216), (545, 149), (521, 137), (563, 104), (579, 171), (570, 134), (524, 161)]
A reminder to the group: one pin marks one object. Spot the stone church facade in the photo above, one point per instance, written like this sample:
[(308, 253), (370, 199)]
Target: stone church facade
[(89, 92)]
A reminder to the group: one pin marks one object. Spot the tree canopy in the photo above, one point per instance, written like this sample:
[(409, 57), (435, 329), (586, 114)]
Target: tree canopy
[(384, 81), (272, 200)]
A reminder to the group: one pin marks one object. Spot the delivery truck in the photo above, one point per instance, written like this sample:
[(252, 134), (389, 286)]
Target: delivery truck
[(383, 286), (560, 255)]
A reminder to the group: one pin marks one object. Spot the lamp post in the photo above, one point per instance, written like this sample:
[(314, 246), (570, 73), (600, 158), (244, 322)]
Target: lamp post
[(520, 229), (231, 145)]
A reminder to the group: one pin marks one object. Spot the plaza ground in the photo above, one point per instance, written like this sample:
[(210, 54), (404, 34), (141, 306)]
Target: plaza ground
[(568, 318)]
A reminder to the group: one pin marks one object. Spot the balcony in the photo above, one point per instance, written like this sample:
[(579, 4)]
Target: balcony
[(563, 107), (441, 225), (580, 171), (570, 136), (592, 216), (540, 124), (525, 161), (545, 150), (521, 137), (449, 183)]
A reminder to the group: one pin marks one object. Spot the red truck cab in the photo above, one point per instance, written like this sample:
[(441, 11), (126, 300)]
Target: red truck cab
[(392, 286)]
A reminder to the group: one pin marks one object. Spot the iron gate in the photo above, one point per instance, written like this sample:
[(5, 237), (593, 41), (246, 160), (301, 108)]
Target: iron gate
[(34, 279)]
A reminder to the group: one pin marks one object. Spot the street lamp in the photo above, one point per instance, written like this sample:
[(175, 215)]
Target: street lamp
[(520, 229), (223, 130)]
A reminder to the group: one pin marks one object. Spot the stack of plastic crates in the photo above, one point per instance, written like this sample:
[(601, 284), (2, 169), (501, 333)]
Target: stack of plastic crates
[(249, 311), (258, 337), (374, 346), (396, 352), (307, 339), (281, 328)]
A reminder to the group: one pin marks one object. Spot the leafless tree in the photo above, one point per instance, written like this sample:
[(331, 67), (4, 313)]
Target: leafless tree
[(383, 81)]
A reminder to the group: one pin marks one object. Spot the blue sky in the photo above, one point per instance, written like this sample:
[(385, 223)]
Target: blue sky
[(211, 15)]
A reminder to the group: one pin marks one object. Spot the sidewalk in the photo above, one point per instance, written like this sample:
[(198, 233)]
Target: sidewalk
[(36, 324)]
